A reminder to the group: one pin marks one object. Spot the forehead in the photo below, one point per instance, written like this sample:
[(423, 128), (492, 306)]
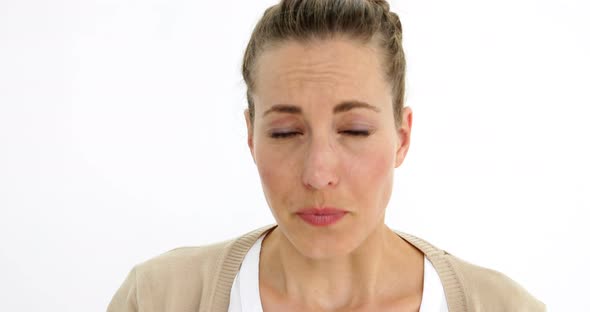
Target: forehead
[(332, 69)]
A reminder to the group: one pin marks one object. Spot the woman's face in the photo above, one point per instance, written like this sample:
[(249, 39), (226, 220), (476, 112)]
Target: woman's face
[(325, 142)]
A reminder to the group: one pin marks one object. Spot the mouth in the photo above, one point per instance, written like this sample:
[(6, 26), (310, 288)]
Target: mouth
[(321, 216)]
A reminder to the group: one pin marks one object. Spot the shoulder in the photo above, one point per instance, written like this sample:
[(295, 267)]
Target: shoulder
[(200, 261), (469, 287), (183, 258), (182, 264), (489, 288), (176, 279), (183, 278)]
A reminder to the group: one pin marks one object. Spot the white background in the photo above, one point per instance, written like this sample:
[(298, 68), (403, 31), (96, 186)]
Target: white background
[(122, 137)]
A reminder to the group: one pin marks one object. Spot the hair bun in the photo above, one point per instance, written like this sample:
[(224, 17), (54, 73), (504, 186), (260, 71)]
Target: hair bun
[(382, 3)]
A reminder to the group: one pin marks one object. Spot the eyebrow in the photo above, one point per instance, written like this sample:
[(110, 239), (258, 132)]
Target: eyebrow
[(340, 108)]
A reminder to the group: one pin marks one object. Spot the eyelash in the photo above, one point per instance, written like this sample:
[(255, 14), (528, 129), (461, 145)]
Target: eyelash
[(354, 133)]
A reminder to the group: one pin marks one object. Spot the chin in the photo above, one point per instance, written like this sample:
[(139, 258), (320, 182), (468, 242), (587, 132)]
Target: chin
[(321, 244)]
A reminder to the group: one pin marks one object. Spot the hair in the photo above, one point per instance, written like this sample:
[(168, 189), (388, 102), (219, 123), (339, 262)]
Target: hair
[(303, 20)]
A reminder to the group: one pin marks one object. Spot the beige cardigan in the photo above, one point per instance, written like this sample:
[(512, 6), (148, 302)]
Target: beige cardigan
[(194, 279)]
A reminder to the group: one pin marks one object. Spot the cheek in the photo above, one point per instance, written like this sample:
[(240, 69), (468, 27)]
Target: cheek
[(267, 171), (375, 164), (372, 175), (276, 174), (383, 163)]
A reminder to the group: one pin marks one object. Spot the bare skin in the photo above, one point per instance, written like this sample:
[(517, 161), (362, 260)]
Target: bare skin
[(384, 277), (324, 136)]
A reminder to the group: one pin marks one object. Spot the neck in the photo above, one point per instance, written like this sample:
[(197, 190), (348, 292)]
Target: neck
[(382, 268)]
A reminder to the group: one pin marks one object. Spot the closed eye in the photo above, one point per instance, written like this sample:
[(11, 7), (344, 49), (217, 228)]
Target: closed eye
[(356, 132), (282, 135)]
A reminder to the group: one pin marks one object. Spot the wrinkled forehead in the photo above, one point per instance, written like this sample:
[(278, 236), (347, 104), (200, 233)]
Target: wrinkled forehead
[(328, 71)]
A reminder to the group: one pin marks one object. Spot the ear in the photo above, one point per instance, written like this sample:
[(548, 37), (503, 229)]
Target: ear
[(403, 133), (250, 133)]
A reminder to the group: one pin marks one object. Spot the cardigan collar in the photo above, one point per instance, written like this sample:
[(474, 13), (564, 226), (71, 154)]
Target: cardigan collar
[(231, 260)]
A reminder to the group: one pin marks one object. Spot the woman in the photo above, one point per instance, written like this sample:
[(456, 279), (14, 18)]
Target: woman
[(326, 129)]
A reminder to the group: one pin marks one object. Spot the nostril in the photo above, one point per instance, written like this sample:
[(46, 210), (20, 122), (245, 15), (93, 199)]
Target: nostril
[(319, 180)]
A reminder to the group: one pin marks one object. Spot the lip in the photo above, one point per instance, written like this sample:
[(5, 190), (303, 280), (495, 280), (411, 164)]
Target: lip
[(321, 216)]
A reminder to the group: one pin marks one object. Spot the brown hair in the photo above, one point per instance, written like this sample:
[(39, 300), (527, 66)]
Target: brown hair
[(303, 20)]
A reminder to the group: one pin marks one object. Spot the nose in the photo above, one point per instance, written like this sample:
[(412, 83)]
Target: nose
[(320, 165)]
